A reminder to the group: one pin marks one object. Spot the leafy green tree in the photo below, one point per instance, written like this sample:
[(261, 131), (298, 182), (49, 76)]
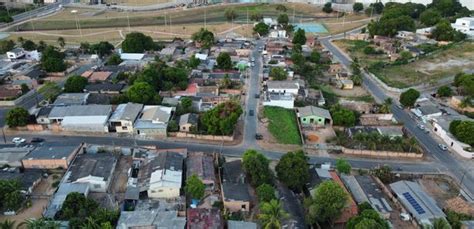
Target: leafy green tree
[(195, 187), (137, 43), (265, 193), (299, 37), (261, 28), (41, 46), (24, 88), (357, 80), (409, 97), (357, 7), (368, 218), (40, 224), (392, 21), (13, 200), (455, 218), (17, 116), (327, 8), (385, 108), (446, 7), (342, 116), (315, 56), (6, 19), (29, 45), (85, 47), (101, 49), (225, 83), (194, 62), (430, 17), (463, 130), (342, 166), (7, 224), (256, 16), (75, 84), (142, 92), (224, 61), (441, 223), (444, 91), (61, 42), (444, 32), (326, 204), (114, 60), (256, 166), (293, 170), (52, 60), (221, 120), (283, 19), (204, 37), (384, 173), (278, 73), (272, 214), (230, 14), (281, 7), (10, 196), (6, 45)]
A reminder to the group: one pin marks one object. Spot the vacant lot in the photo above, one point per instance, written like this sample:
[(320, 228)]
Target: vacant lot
[(282, 125), (356, 50)]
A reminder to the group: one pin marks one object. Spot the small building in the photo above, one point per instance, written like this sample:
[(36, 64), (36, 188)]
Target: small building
[(11, 156), (15, 53), (51, 156), (97, 76), (235, 189), (335, 68), (82, 118), (132, 56), (199, 218), (311, 115), (105, 88), (56, 203), (202, 165), (345, 84), (150, 219), (419, 204), (465, 25), (28, 179), (279, 100), (284, 87), (124, 116), (427, 112), (188, 121), (162, 176), (315, 97), (153, 121), (69, 99), (93, 169)]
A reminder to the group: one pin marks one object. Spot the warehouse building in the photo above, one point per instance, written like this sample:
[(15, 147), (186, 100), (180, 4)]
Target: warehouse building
[(82, 118)]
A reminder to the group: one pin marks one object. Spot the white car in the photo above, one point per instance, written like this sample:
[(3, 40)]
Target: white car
[(443, 147), (18, 140)]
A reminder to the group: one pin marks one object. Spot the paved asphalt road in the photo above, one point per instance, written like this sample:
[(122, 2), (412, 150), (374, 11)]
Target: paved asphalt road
[(444, 159)]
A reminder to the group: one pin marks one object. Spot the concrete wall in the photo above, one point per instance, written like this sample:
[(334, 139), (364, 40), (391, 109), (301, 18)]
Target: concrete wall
[(163, 192), (288, 104), (205, 137), (451, 142), (45, 163), (236, 206), (374, 153)]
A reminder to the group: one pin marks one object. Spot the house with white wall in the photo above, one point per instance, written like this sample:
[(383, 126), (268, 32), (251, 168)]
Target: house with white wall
[(465, 25), (161, 176), (441, 128), (94, 169)]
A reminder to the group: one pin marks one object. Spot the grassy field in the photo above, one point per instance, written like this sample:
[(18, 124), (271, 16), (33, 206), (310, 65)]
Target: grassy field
[(283, 125), (356, 50)]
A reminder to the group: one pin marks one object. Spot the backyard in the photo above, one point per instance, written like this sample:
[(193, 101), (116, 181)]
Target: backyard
[(282, 125)]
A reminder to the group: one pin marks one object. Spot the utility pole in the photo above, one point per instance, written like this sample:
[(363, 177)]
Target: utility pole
[(128, 20), (205, 17)]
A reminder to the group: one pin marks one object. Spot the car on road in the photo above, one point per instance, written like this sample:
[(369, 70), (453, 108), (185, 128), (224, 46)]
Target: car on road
[(252, 64), (251, 112), (252, 59), (258, 136), (18, 140), (37, 140), (257, 96), (443, 147), (420, 126)]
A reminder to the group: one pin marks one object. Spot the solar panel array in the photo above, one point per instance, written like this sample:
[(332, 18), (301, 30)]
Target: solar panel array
[(413, 203)]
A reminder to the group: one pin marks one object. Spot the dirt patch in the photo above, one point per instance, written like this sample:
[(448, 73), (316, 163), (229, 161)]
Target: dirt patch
[(269, 142), (318, 135), (457, 204), (355, 92), (440, 189)]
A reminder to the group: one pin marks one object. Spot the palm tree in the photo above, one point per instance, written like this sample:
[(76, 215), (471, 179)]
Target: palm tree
[(385, 108), (90, 224), (271, 214), (441, 223), (61, 42), (40, 224), (7, 224)]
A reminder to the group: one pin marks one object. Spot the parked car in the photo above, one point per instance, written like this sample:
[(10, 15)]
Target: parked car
[(251, 113), (18, 140), (443, 147), (421, 127), (37, 140), (257, 96), (258, 136)]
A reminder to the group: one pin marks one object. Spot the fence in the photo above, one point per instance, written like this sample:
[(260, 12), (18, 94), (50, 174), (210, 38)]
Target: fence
[(205, 137), (373, 153)]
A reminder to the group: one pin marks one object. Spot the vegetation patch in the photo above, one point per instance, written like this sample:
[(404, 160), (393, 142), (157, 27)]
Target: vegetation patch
[(283, 125)]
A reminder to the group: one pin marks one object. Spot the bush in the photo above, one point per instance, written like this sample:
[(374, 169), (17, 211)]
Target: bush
[(265, 193), (342, 116), (17, 116)]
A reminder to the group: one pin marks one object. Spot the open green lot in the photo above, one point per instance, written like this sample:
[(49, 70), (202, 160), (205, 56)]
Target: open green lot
[(282, 125)]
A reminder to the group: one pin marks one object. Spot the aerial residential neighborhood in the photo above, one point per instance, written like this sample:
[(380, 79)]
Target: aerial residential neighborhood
[(236, 114)]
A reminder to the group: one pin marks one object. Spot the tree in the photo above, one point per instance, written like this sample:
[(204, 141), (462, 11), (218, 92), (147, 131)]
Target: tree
[(281, 7), (224, 61), (261, 28), (342, 116), (61, 42), (327, 8), (75, 84), (142, 92), (430, 17), (40, 224), (52, 60), (194, 187), (137, 43), (194, 62), (278, 73), (315, 56), (101, 49), (265, 193), (391, 22), (444, 32), (7, 224), (41, 46), (17, 116), (10, 196), (327, 203), (409, 97), (256, 16), (357, 80), (225, 82), (385, 108), (24, 88), (221, 120), (357, 7), (85, 47), (204, 37), (272, 214), (441, 223), (293, 170), (20, 40), (256, 166), (230, 14), (342, 166), (114, 60), (368, 218), (6, 45), (463, 130), (299, 37), (29, 45), (283, 19), (384, 173), (444, 91)]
